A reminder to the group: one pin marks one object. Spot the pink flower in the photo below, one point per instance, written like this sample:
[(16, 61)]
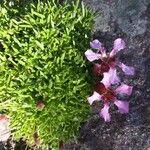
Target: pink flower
[(107, 61), (109, 95)]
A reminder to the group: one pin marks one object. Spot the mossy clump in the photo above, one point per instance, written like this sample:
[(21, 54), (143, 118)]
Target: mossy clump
[(44, 81)]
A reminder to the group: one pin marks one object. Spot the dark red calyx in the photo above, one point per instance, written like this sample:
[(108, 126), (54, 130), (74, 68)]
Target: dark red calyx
[(109, 60), (109, 95), (112, 61), (100, 88), (96, 70), (99, 69)]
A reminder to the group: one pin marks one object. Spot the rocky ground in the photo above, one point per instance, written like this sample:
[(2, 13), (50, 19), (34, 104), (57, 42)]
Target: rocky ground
[(130, 20)]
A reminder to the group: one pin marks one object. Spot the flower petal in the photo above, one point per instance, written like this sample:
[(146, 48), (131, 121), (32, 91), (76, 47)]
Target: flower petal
[(123, 106), (126, 69), (125, 89), (110, 77), (94, 97), (114, 79), (105, 113), (103, 52), (91, 56), (95, 44), (119, 44)]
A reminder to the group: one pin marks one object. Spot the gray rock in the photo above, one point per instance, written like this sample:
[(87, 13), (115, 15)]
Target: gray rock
[(130, 20)]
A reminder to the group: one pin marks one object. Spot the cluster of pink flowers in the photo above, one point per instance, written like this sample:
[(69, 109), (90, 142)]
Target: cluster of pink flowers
[(106, 63)]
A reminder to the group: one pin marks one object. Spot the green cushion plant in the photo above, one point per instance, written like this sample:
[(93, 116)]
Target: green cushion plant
[(44, 81)]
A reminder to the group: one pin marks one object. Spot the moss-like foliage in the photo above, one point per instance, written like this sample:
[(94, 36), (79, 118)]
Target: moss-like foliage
[(43, 76)]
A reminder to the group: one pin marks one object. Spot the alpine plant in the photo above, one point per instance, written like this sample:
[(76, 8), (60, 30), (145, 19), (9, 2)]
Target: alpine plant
[(109, 95), (106, 63)]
